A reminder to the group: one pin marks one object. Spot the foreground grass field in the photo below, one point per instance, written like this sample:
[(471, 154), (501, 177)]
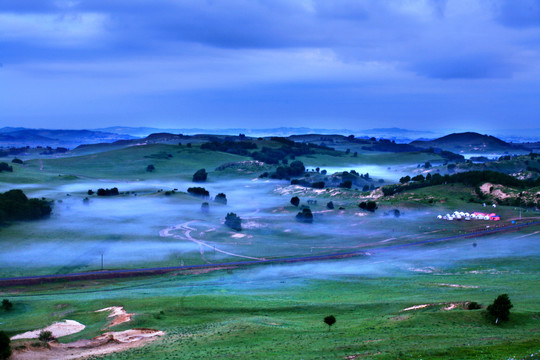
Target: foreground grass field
[(238, 314)]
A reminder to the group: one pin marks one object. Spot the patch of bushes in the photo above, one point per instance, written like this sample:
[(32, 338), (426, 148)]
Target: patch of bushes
[(108, 192), (198, 191), (15, 206)]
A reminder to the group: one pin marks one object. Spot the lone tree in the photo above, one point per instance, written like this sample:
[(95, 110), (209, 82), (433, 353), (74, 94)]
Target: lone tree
[(7, 305), (150, 168), (5, 348), (205, 207), (233, 221), (330, 205), (500, 309), (330, 320), (221, 198), (295, 201), (200, 175), (305, 216)]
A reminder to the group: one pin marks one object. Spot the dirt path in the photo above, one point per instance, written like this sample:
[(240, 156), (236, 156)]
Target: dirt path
[(187, 236)]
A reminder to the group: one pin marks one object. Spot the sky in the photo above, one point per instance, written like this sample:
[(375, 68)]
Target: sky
[(353, 64)]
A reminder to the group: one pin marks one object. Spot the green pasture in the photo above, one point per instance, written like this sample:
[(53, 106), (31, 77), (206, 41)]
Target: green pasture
[(221, 315)]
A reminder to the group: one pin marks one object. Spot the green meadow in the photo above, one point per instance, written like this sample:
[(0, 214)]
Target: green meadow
[(272, 311)]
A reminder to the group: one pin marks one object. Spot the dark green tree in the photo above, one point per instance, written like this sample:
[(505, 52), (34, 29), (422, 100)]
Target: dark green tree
[(200, 175), (5, 348), (7, 305), (330, 320), (297, 168), (295, 200), (305, 216), (500, 309), (221, 198), (205, 207), (233, 221)]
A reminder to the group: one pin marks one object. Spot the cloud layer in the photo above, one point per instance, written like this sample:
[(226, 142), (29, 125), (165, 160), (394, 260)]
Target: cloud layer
[(241, 62)]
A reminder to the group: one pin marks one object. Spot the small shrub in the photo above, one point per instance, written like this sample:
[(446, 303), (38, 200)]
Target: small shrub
[(7, 305), (473, 305), (46, 336)]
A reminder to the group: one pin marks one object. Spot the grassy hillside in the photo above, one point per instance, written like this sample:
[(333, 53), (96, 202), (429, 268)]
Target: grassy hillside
[(231, 314), (125, 164)]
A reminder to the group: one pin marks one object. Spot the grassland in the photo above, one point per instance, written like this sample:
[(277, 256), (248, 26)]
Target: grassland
[(272, 311), (236, 315)]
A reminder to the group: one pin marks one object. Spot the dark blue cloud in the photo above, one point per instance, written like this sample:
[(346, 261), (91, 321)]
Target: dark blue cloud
[(520, 13), (476, 66), (253, 59)]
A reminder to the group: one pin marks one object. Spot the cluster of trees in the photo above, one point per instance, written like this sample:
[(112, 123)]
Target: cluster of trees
[(472, 178), (5, 167), (289, 149), (198, 191), (108, 192), (295, 168), (15, 206), (50, 151), (386, 145), (13, 151), (231, 147), (17, 161), (200, 175), (233, 221), (368, 206)]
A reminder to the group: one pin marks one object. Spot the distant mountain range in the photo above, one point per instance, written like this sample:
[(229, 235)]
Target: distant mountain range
[(469, 142), (114, 137), (18, 137), (392, 133)]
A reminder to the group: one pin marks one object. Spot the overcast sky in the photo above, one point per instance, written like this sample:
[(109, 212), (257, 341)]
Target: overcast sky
[(463, 64)]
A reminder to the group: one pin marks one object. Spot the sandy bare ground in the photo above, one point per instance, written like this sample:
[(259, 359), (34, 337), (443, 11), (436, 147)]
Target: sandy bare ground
[(415, 307), (460, 286), (58, 329), (107, 343), (118, 315)]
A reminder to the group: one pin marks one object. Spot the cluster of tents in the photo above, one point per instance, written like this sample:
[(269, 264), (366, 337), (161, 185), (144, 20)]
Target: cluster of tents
[(460, 215)]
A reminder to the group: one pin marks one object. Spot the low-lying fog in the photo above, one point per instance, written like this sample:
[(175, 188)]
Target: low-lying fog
[(149, 228), (388, 173)]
